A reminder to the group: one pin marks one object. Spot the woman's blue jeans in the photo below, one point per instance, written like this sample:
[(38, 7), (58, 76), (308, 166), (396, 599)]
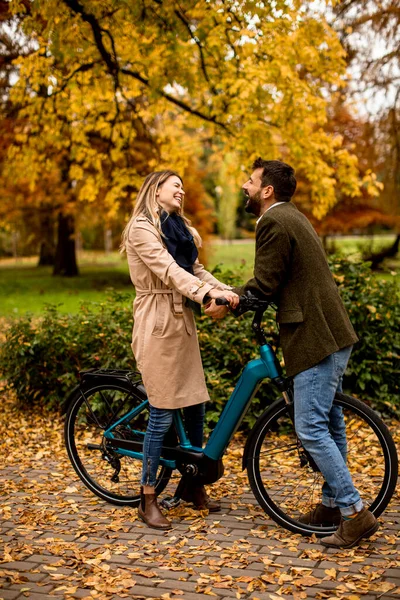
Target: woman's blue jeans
[(321, 429), (160, 421)]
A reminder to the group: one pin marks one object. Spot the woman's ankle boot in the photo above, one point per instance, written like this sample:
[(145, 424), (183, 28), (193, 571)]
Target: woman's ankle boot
[(198, 495), (150, 513)]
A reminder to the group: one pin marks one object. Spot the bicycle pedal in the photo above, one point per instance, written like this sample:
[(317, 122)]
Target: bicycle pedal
[(170, 502)]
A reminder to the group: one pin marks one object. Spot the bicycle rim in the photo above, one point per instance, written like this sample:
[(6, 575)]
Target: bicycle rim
[(286, 490), (107, 473)]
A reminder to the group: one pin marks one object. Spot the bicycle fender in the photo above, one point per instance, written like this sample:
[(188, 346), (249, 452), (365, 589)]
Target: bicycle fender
[(92, 383)]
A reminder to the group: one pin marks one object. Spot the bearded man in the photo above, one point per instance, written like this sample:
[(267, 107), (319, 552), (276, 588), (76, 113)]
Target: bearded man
[(316, 336)]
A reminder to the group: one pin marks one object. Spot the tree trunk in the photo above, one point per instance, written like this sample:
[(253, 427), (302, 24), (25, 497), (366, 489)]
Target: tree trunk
[(389, 252), (47, 250), (107, 241), (14, 243), (65, 260)]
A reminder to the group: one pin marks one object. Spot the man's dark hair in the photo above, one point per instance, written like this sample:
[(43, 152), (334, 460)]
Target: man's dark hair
[(279, 175)]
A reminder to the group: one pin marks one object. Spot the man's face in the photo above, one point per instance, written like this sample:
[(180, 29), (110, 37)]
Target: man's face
[(252, 190)]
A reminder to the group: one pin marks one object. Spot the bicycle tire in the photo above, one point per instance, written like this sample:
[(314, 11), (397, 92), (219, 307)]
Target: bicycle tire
[(105, 404), (285, 490)]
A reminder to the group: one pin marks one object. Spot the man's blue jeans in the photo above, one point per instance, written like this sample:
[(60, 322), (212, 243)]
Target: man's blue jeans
[(321, 429), (160, 421)]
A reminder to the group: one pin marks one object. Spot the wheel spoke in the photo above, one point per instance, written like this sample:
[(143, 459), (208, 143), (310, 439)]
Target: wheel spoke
[(112, 476), (286, 490), (282, 449)]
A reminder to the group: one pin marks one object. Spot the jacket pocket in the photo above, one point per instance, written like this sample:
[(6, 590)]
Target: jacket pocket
[(161, 311), (189, 321), (294, 315)]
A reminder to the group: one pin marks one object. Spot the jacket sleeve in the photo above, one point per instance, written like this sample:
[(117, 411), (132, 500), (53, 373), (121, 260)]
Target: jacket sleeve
[(272, 261), (206, 276), (144, 240)]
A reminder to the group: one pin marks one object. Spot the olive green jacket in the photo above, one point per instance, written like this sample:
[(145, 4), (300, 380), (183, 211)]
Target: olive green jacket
[(291, 270)]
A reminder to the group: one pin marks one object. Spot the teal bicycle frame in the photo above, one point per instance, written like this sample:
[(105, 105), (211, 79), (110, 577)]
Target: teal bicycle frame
[(252, 375)]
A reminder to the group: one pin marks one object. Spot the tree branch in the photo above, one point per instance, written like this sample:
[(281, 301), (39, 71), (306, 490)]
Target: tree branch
[(182, 18), (82, 69), (114, 69)]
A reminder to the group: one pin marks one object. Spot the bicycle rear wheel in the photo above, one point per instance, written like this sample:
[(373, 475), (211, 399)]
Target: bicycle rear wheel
[(109, 474), (286, 486)]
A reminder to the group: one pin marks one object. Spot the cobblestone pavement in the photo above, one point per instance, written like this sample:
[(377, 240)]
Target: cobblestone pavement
[(59, 540)]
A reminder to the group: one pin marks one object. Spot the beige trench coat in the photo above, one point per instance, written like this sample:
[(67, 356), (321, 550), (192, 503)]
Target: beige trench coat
[(164, 339)]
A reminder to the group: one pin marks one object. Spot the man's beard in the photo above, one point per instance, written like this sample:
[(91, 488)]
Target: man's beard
[(253, 204)]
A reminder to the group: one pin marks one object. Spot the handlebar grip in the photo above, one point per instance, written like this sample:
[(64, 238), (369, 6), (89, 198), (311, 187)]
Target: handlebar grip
[(222, 302)]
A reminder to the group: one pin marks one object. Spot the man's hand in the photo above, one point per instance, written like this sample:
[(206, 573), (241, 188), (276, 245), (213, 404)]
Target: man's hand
[(216, 312)]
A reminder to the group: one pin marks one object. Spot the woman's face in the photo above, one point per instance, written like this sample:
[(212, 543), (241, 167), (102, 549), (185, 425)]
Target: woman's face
[(170, 194)]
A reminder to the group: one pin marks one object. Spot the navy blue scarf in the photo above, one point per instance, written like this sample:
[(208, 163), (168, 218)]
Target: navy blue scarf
[(180, 244)]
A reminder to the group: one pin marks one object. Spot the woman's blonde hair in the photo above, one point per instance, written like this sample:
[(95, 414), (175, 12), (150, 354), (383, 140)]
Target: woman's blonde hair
[(147, 205)]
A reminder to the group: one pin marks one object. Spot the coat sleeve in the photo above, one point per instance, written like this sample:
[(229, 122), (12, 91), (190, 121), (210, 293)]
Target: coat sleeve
[(206, 276), (144, 240), (272, 262)]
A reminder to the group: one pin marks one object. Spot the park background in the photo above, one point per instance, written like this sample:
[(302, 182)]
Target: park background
[(97, 94)]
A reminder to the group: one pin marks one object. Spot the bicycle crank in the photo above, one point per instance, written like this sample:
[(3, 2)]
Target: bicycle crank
[(170, 502)]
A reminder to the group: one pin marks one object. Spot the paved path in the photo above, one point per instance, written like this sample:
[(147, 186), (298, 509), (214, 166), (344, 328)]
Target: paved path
[(58, 540)]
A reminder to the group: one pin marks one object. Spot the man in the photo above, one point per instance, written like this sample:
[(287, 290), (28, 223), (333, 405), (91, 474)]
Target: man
[(316, 336)]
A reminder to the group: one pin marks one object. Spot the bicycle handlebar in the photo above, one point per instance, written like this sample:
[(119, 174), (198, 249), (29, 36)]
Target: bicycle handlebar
[(222, 302), (246, 302), (249, 302)]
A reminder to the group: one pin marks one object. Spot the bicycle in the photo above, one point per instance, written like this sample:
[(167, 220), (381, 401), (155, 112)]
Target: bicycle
[(106, 422)]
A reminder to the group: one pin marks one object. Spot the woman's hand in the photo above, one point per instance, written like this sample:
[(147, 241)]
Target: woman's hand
[(216, 312), (219, 312), (232, 298)]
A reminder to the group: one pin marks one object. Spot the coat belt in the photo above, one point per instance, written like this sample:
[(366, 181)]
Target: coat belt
[(176, 297), (154, 291)]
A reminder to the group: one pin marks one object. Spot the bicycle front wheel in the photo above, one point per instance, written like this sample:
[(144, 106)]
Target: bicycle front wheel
[(109, 474), (286, 485)]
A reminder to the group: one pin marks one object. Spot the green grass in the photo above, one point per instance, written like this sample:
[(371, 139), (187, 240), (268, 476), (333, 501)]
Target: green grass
[(232, 256), (25, 287), (28, 288)]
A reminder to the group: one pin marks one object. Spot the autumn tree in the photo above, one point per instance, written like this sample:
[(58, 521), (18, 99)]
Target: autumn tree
[(108, 78), (370, 33)]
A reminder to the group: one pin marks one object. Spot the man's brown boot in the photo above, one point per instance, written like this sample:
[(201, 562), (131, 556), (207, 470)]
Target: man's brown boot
[(321, 515), (352, 531), (150, 513), (199, 497)]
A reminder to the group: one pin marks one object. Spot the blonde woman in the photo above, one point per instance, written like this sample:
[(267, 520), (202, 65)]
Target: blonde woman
[(170, 283)]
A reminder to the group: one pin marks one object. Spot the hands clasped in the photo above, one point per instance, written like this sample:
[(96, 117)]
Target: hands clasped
[(219, 312)]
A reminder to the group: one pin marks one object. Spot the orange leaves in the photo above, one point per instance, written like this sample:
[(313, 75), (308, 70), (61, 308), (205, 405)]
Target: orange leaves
[(65, 537), (331, 573)]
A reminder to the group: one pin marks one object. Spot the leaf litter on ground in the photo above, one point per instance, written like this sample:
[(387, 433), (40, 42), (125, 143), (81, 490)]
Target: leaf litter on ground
[(54, 525)]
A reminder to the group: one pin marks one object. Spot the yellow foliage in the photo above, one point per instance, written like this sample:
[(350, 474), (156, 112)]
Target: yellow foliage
[(110, 98)]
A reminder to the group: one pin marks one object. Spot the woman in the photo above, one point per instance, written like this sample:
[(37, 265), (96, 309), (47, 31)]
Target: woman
[(170, 282)]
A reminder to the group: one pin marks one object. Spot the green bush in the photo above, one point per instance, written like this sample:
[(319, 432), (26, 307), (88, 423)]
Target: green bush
[(373, 305), (41, 358)]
